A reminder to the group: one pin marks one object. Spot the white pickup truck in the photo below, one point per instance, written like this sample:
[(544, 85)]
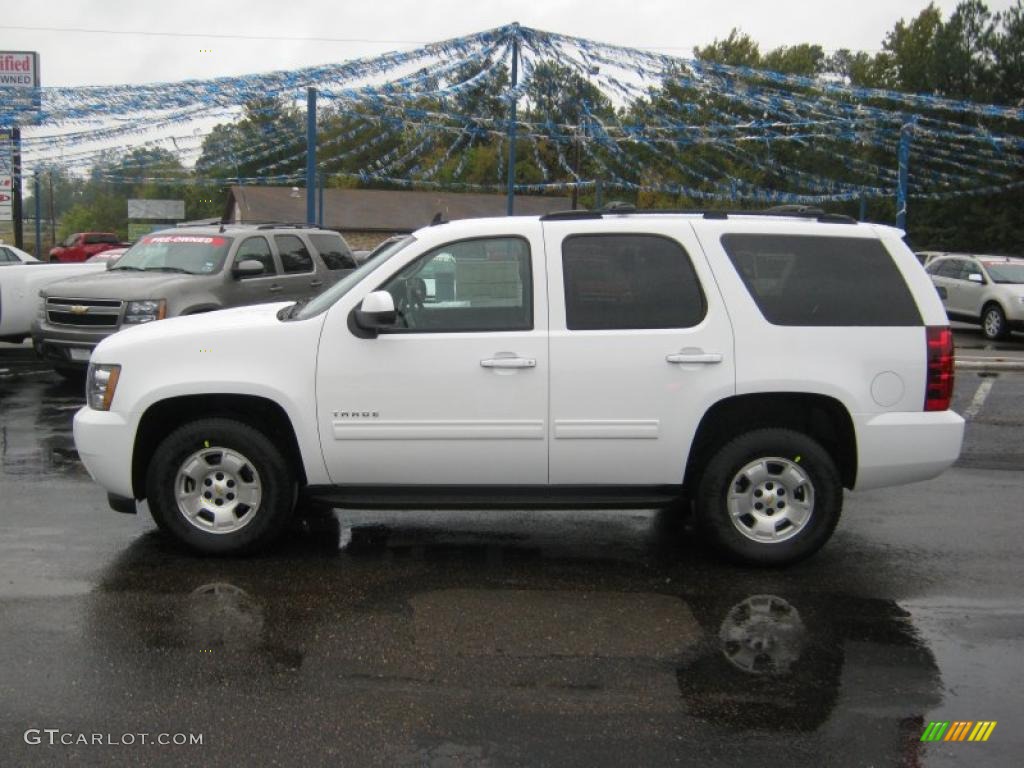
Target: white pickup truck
[(745, 367), (19, 293)]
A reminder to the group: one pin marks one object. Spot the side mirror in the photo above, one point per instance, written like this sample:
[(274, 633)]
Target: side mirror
[(976, 277), (247, 268), (377, 312)]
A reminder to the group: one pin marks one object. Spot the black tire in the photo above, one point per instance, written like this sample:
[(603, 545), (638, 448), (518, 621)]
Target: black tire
[(274, 476), (993, 322), (796, 448)]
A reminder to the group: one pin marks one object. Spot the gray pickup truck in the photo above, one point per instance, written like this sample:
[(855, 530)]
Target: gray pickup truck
[(185, 271)]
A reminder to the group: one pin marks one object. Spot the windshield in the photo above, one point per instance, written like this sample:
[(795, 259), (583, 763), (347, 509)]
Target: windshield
[(1006, 272), (343, 286), (194, 254)]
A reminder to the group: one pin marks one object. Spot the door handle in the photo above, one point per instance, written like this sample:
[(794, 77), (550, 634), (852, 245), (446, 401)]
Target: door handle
[(508, 362), (315, 283), (694, 357), (276, 289)]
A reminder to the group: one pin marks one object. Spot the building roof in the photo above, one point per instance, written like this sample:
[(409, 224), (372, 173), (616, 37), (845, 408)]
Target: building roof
[(376, 209)]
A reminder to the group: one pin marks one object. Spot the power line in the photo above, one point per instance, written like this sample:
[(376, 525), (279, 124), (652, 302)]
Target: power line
[(150, 33), (298, 39)]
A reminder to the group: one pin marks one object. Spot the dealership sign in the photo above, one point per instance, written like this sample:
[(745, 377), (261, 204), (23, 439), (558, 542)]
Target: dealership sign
[(19, 84)]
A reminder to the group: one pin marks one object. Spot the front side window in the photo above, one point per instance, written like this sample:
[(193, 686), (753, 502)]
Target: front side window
[(257, 249), (811, 280), (470, 285), (627, 281), (294, 255)]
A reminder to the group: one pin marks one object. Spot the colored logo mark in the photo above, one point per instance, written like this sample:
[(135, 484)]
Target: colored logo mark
[(959, 730)]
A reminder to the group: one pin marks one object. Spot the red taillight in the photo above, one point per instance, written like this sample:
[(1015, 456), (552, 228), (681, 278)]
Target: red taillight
[(938, 389)]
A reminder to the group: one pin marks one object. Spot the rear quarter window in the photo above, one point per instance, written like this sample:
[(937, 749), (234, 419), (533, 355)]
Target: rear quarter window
[(822, 281)]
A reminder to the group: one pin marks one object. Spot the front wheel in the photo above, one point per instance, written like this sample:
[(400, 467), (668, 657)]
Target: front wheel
[(770, 497), (220, 486), (993, 322)]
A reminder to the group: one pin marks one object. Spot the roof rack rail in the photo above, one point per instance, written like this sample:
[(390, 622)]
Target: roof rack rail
[(198, 223), (798, 211), (287, 225)]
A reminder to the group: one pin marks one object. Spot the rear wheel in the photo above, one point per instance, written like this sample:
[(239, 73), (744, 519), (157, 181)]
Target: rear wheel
[(220, 486), (993, 322), (770, 497)]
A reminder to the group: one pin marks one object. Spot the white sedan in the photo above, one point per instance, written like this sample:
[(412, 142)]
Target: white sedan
[(11, 255), (20, 283)]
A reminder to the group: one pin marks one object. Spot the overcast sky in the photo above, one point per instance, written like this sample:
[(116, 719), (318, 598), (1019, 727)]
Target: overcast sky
[(673, 26)]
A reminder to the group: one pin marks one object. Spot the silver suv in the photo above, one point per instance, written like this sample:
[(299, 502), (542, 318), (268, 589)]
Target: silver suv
[(985, 290), (185, 271)]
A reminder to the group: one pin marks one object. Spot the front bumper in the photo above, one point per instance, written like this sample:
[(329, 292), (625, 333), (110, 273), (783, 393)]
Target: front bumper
[(105, 442), (66, 346), (899, 448)]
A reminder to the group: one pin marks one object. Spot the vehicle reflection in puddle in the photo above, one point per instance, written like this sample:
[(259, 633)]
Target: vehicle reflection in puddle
[(528, 618), (35, 428)]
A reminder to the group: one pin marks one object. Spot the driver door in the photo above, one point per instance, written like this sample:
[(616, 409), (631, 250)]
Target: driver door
[(457, 393)]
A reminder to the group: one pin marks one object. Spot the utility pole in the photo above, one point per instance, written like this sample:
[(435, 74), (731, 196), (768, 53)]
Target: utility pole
[(511, 175), (906, 132), (311, 155), (53, 213), (39, 209), (16, 212)]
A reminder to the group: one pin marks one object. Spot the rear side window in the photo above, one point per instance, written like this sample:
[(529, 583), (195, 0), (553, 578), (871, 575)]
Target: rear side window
[(294, 255), (629, 282), (822, 281), (333, 251)]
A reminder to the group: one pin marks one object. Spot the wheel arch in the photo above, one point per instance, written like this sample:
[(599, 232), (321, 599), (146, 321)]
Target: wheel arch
[(821, 417), (164, 416)]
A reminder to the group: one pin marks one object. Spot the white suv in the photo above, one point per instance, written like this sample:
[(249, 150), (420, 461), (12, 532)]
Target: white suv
[(750, 366)]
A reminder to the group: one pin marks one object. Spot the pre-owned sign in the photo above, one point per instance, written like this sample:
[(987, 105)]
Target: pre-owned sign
[(19, 69)]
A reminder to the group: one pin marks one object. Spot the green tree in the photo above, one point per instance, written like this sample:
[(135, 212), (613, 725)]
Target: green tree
[(737, 50)]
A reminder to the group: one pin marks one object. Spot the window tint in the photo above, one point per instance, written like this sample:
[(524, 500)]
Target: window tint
[(629, 281), (6, 256), (257, 249), (294, 256), (333, 251), (822, 281), (470, 285)]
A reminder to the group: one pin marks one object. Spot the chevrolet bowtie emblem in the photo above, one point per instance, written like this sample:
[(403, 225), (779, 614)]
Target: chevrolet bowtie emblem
[(78, 309)]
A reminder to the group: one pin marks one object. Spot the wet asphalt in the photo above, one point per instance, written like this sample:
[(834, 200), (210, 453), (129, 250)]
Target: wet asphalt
[(509, 639)]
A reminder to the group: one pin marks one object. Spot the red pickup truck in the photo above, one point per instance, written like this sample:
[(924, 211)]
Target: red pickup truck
[(81, 245)]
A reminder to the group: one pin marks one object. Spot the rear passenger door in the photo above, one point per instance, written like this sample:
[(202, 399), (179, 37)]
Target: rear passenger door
[(299, 277), (335, 253), (641, 347)]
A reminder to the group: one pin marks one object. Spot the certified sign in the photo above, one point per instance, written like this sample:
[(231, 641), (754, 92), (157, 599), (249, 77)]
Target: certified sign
[(19, 83), (19, 69)]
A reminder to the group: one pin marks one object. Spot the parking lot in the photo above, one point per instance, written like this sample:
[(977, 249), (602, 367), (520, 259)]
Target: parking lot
[(525, 638)]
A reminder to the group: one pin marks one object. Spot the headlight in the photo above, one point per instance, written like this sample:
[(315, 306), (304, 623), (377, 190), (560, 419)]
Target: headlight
[(145, 311), (100, 384)]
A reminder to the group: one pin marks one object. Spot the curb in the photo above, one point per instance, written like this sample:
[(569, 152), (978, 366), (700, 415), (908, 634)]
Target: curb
[(988, 364)]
